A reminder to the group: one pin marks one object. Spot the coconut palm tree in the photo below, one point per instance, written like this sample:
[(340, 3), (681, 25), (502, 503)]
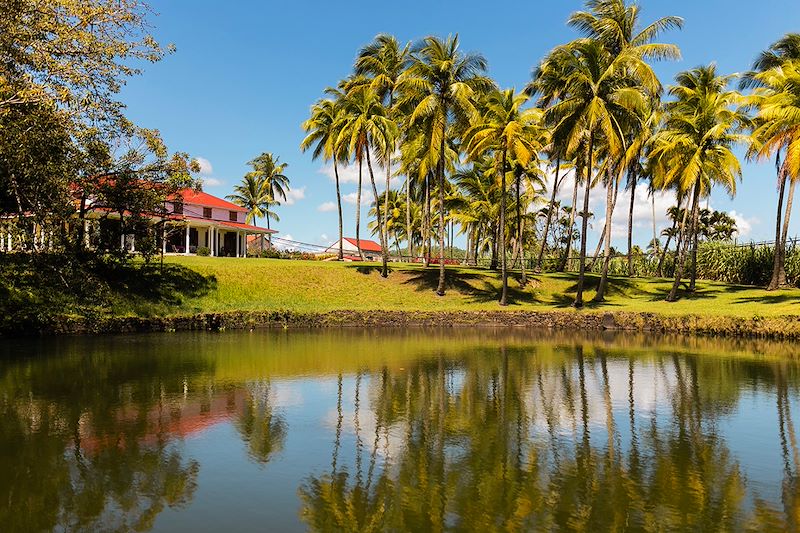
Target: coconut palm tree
[(268, 168), (366, 126), (509, 132), (600, 96), (776, 76), (323, 131), (693, 151), (382, 62), (254, 195), (440, 86)]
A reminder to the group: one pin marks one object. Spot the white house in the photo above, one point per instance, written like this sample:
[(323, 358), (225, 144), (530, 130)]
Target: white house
[(208, 221)]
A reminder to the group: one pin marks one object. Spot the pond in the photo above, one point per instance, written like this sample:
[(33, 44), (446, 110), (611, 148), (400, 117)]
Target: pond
[(355, 430)]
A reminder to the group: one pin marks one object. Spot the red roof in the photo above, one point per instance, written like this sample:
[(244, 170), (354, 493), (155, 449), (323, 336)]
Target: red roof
[(366, 246), (190, 196), (237, 225)]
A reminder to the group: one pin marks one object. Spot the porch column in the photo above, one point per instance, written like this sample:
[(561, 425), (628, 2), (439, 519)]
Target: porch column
[(164, 240), (86, 233), (238, 236), (211, 241), (122, 242), (186, 249)]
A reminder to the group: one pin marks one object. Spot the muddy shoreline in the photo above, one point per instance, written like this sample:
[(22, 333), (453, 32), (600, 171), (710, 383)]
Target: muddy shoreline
[(778, 328)]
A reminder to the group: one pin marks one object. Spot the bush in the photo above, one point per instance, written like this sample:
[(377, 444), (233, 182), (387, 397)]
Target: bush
[(204, 251)]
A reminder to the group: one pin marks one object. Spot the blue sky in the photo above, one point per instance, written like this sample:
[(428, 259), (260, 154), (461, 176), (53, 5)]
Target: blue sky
[(245, 74)]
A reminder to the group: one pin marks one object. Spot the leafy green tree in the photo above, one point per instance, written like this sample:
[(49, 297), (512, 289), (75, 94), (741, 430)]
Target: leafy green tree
[(366, 126), (508, 131), (441, 85), (694, 150), (776, 129), (323, 132)]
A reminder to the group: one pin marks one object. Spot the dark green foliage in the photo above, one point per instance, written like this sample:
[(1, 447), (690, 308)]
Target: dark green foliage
[(203, 251)]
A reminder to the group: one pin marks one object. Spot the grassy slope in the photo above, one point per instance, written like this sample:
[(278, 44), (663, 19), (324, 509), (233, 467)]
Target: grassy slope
[(270, 284)]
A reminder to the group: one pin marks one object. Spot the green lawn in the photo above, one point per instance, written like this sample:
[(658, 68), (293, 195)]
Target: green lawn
[(306, 286)]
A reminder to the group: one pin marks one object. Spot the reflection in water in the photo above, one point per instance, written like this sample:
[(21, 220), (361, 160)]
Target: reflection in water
[(422, 430)]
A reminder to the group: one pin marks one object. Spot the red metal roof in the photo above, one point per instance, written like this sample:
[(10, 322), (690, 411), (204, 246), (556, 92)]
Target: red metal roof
[(366, 246), (190, 196), (236, 225)]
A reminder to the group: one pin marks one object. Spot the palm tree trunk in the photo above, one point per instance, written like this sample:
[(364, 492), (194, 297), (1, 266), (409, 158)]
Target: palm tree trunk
[(386, 215), (543, 243), (520, 251), (503, 266), (409, 234), (630, 225), (381, 232), (441, 288), (778, 268), (669, 239), (584, 225), (426, 223), (358, 210), (680, 262), (601, 288), (476, 245), (695, 235), (787, 215), (653, 204), (568, 251), (339, 205)]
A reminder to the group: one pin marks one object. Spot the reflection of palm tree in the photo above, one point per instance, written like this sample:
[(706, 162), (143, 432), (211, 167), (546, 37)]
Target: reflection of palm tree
[(262, 429)]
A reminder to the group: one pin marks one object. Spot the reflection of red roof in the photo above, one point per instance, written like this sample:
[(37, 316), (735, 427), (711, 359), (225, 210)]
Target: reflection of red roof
[(190, 196), (366, 246)]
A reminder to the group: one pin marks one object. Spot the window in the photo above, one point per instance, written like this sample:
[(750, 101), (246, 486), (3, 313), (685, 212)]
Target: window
[(206, 212), (233, 216), (177, 208)]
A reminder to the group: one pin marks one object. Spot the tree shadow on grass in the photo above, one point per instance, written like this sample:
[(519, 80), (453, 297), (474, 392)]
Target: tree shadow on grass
[(476, 285), (169, 284), (772, 298)]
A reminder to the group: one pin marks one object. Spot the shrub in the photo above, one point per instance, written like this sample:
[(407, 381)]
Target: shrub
[(204, 251)]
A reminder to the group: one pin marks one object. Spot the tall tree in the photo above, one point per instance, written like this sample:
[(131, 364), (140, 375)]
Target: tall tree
[(440, 84), (694, 149), (508, 131), (323, 132), (366, 126), (600, 96), (268, 169), (382, 61), (776, 76)]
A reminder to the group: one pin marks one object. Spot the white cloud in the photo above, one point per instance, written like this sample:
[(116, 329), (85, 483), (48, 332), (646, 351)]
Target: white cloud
[(205, 166), (326, 207), (293, 195), (324, 237), (212, 182), (349, 173), (351, 198), (744, 225), (279, 242)]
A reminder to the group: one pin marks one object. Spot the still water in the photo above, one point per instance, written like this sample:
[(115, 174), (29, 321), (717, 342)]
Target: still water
[(416, 430)]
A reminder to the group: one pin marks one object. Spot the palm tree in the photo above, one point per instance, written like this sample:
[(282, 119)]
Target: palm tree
[(323, 131), (254, 195), (694, 149), (270, 170), (440, 85), (509, 132), (776, 76), (366, 125), (382, 61), (600, 96), (615, 25)]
